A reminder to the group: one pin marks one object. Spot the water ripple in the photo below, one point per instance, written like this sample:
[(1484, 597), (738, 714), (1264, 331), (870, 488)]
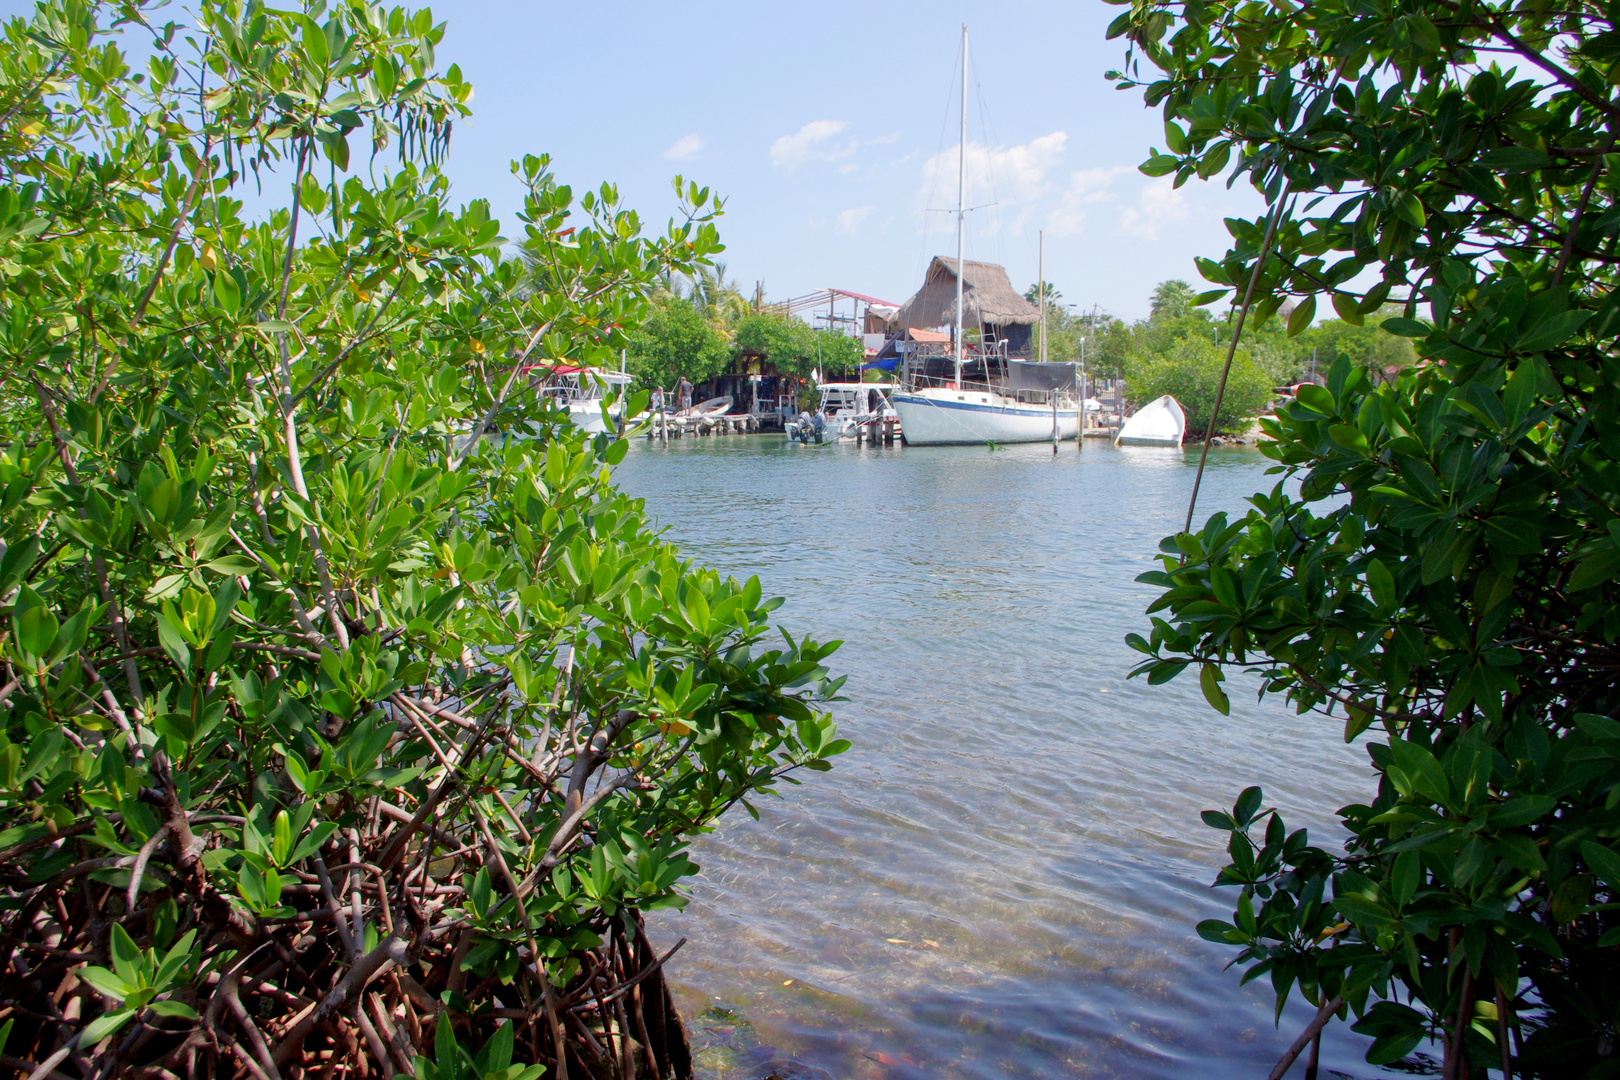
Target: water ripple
[(1001, 879)]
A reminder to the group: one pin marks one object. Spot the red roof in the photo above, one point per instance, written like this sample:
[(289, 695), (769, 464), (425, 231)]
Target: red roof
[(928, 336), (863, 296)]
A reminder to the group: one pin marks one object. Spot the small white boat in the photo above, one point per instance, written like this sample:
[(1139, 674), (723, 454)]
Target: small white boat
[(1161, 422), (813, 429), (582, 391), (843, 407), (707, 410)]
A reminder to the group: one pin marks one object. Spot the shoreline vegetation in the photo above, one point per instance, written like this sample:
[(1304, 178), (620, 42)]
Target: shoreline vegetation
[(336, 741), (339, 739), (1445, 582)]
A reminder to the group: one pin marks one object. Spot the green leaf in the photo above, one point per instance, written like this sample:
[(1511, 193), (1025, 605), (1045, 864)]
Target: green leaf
[(1350, 437), (174, 961), (173, 642), (1348, 308), (36, 628), (226, 291), (104, 1026), (1388, 1049), (316, 838), (1406, 327), (1158, 165), (1603, 861), (1423, 773), (1303, 314), (1409, 208), (1381, 583), (1209, 679), (1596, 569), (1512, 159), (1513, 535), (1317, 399), (176, 1009), (1550, 332), (1247, 805), (126, 956), (1215, 819), (105, 982), (315, 43), (1221, 933)]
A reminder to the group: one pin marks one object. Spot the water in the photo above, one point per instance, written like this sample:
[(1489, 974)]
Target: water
[(1002, 878)]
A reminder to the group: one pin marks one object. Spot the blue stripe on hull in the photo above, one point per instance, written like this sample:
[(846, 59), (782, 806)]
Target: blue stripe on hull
[(968, 406)]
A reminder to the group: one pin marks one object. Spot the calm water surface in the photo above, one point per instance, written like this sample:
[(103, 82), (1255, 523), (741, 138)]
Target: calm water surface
[(1001, 879)]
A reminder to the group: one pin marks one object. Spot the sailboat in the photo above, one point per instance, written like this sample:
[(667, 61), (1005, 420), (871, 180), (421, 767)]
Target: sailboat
[(992, 404)]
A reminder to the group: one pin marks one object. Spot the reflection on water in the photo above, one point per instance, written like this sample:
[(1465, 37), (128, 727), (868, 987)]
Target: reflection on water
[(1002, 878)]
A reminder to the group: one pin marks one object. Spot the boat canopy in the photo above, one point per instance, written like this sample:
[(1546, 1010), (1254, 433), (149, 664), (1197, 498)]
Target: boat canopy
[(1032, 375)]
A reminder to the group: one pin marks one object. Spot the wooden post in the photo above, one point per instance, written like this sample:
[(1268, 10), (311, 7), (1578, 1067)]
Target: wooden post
[(1053, 395), (1080, 413)]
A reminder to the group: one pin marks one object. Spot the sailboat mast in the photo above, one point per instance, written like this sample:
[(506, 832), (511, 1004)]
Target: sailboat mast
[(961, 205), (1040, 290)]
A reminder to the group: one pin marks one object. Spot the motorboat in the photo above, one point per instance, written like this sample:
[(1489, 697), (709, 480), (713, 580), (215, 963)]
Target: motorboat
[(812, 429), (843, 407), (1161, 422), (582, 392)]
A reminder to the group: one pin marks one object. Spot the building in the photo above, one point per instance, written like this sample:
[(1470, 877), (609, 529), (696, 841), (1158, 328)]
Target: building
[(993, 312)]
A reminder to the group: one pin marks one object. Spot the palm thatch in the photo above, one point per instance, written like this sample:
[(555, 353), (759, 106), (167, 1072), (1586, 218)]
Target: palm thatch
[(988, 298)]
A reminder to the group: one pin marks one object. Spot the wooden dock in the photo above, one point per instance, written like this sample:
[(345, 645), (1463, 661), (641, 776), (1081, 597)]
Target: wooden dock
[(885, 432), (675, 427)]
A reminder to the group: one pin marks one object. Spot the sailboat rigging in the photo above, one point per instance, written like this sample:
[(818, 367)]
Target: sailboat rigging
[(1009, 400)]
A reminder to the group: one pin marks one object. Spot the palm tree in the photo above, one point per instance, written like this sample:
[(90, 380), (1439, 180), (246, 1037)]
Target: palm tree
[(1172, 299), (720, 300)]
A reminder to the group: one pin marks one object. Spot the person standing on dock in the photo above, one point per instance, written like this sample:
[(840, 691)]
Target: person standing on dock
[(684, 390), (658, 399)]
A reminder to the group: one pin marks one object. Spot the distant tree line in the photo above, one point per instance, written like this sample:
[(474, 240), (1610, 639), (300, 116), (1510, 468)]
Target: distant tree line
[(1180, 349), (698, 326)]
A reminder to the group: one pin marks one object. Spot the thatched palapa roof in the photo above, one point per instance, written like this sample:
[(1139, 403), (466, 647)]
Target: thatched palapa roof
[(987, 297)]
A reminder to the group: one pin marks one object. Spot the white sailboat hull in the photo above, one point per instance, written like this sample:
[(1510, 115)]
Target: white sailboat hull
[(943, 417)]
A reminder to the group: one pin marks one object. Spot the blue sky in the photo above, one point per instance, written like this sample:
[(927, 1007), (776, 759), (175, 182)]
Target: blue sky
[(832, 131)]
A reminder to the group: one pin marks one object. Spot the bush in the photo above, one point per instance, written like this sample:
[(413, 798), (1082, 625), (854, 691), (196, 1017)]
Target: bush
[(676, 340), (1444, 581), (1190, 371), (794, 348), (335, 732)]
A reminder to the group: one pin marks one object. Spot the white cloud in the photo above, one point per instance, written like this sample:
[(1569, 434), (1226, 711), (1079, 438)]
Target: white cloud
[(1013, 178), (808, 144), (1087, 187), (1159, 204), (687, 146), (849, 221)]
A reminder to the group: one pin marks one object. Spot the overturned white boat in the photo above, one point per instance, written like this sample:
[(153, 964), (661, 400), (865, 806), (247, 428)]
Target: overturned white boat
[(1161, 422)]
